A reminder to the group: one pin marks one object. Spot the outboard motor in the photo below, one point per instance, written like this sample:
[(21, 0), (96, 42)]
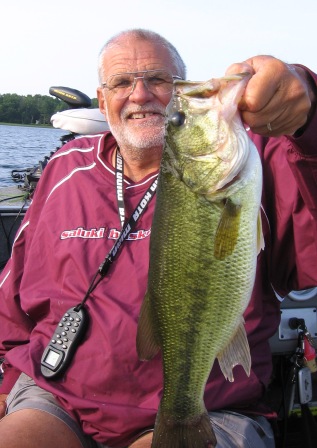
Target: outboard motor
[(74, 98)]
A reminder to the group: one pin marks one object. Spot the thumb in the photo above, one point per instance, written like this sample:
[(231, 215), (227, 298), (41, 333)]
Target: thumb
[(242, 67), (3, 408)]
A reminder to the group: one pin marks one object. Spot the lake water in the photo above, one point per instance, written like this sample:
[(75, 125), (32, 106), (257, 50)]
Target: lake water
[(23, 147)]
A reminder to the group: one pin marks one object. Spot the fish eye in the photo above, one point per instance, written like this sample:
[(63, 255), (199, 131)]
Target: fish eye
[(178, 118)]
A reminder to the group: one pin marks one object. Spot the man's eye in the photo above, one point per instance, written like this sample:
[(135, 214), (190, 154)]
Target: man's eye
[(155, 80), (121, 83)]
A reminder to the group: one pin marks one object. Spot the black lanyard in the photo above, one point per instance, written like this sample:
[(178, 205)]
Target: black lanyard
[(127, 226), (119, 187)]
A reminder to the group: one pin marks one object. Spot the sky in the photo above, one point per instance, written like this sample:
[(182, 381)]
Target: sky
[(44, 43)]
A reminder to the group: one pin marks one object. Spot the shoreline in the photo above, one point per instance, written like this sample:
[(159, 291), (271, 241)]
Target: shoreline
[(49, 126)]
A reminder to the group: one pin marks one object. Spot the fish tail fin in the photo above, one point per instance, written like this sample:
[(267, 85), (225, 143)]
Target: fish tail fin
[(236, 352), (194, 432)]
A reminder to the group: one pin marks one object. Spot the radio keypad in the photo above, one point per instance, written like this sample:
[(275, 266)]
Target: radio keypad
[(67, 323)]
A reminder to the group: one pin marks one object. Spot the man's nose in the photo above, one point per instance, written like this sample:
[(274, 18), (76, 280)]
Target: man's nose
[(140, 90)]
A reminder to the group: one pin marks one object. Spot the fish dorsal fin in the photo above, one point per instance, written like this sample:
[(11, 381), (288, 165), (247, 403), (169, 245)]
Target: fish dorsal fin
[(146, 344), (236, 352), (228, 230)]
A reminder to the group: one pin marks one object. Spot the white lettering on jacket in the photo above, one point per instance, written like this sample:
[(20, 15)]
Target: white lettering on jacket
[(80, 232), (139, 235)]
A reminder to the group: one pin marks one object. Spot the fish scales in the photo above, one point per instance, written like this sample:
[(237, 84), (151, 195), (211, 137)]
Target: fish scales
[(204, 244)]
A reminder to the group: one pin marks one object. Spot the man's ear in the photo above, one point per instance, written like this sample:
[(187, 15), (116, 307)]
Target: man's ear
[(102, 102)]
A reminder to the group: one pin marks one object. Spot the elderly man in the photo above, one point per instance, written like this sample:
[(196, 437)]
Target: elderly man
[(106, 397)]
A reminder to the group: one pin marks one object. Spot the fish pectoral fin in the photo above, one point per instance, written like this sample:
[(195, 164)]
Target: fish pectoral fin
[(260, 236), (228, 230), (146, 345), (236, 352)]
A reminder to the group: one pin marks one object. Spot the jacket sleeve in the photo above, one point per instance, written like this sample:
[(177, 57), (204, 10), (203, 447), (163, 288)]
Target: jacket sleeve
[(290, 201), (302, 156), (16, 325)]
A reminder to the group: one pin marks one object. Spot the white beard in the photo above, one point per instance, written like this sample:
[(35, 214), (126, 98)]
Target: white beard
[(134, 142)]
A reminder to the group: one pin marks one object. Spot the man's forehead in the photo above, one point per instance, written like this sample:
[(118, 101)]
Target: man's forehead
[(134, 55)]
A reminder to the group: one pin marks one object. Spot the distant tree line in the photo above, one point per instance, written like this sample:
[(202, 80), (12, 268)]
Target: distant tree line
[(31, 109)]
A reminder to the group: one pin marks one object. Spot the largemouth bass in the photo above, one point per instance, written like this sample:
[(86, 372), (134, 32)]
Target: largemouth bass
[(203, 250)]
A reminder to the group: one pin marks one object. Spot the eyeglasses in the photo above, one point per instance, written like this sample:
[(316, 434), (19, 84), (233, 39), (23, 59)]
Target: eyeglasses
[(158, 82)]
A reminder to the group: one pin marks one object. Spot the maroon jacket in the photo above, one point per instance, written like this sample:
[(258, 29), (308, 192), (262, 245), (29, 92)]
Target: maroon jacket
[(67, 232)]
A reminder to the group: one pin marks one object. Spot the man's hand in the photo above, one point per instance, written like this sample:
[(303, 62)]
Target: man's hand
[(278, 98), (3, 405), (143, 442)]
